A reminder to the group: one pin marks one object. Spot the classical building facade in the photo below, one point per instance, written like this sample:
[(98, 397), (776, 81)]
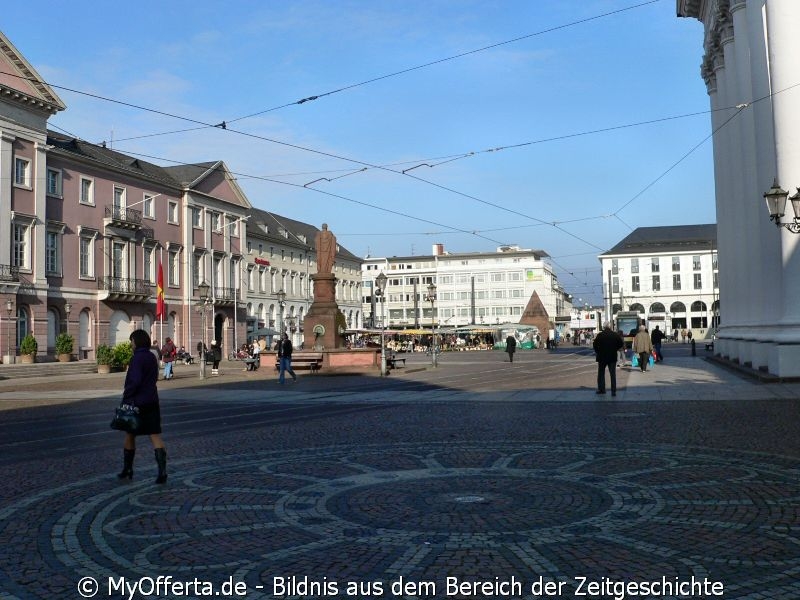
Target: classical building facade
[(669, 275), (86, 233), (751, 67), (471, 289)]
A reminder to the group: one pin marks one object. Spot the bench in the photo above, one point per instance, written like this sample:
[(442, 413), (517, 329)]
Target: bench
[(393, 362), (302, 361), (251, 364)]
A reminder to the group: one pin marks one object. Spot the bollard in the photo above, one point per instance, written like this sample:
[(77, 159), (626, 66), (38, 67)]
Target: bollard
[(694, 348)]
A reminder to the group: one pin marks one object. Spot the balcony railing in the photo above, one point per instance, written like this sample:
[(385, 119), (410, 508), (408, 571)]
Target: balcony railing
[(120, 286), (126, 216), (224, 294), (9, 273)]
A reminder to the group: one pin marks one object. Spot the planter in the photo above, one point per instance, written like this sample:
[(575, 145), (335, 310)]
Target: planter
[(65, 358), (9, 359), (27, 359), (104, 369)]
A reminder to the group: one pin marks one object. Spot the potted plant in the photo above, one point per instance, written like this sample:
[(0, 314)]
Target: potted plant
[(105, 358), (28, 349), (123, 354), (64, 347)]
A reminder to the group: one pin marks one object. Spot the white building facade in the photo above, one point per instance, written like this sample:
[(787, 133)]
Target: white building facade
[(669, 275), (471, 288), (751, 67)]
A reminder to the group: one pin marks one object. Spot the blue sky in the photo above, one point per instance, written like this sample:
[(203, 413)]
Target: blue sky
[(213, 62)]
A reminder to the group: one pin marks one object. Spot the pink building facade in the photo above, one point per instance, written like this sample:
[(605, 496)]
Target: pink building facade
[(84, 231)]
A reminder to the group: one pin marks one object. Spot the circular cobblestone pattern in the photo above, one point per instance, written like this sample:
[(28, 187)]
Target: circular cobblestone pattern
[(424, 512)]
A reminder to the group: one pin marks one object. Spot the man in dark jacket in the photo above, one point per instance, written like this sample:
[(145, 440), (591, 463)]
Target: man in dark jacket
[(511, 346), (285, 356), (657, 337), (606, 345)]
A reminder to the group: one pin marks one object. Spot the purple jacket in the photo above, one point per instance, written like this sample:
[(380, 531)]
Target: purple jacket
[(140, 381)]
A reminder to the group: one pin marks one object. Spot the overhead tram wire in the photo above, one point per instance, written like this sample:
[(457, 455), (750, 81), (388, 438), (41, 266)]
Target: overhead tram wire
[(339, 196), (313, 97)]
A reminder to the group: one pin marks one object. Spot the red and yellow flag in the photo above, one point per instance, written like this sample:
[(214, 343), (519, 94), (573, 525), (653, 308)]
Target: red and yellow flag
[(160, 309)]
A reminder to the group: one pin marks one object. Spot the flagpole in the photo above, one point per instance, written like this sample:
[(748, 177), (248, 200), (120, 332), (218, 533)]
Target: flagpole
[(161, 263)]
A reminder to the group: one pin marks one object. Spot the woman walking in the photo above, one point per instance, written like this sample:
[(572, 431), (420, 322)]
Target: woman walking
[(141, 391)]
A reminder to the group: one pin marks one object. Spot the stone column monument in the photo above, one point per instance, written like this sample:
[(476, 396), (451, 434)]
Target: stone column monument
[(319, 330)]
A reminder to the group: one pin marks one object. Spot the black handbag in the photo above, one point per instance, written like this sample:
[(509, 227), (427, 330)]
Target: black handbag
[(126, 418)]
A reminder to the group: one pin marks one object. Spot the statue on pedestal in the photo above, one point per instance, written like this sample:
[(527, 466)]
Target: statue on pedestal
[(326, 249)]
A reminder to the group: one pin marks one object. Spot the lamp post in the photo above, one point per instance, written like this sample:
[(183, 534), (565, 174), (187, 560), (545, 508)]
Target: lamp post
[(67, 310), (281, 303), (432, 300), (776, 205), (380, 282), (9, 310), (205, 305)]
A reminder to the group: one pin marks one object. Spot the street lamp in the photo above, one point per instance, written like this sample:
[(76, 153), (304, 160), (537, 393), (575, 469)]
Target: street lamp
[(776, 205), (67, 310), (380, 281), (432, 300), (281, 303), (205, 305), (9, 310)]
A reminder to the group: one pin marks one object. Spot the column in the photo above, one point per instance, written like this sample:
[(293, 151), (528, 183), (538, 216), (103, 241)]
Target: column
[(782, 18), (6, 177)]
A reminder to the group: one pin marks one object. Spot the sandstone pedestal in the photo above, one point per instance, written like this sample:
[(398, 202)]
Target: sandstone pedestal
[(322, 312)]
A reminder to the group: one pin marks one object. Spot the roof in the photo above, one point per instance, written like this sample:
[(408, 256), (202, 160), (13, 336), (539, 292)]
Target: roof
[(24, 84), (672, 238), (188, 174), (537, 254), (296, 230), (77, 148)]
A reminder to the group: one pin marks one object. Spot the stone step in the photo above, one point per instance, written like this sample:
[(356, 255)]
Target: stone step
[(47, 369)]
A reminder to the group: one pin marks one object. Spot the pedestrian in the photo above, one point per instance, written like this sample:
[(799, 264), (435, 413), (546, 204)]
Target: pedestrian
[(156, 351), (689, 336), (168, 354), (511, 347), (216, 356), (140, 391), (622, 349), (683, 335), (285, 356), (657, 337), (643, 347), (607, 345)]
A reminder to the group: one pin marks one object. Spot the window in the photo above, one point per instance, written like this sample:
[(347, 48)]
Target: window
[(676, 282), (716, 280), (635, 283), (148, 266), (86, 255), (22, 172), (614, 266), (20, 246), (634, 265), (148, 209), (497, 277), (174, 267), (233, 225), (676, 263), (714, 264), (445, 279), (698, 281), (118, 260), (197, 217), (119, 197), (515, 276), (654, 266), (172, 213), (53, 182), (656, 283), (615, 285), (695, 263), (51, 253), (87, 191)]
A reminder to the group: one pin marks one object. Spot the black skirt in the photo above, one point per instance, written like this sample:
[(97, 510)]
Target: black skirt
[(149, 420)]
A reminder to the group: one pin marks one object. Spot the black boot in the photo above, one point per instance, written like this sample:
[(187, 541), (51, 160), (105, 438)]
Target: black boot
[(127, 469), (161, 460)]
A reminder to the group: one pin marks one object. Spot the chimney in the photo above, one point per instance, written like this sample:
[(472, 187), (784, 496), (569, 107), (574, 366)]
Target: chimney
[(438, 249)]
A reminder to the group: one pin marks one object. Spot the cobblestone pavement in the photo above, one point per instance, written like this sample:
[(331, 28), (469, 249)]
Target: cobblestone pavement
[(479, 470)]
